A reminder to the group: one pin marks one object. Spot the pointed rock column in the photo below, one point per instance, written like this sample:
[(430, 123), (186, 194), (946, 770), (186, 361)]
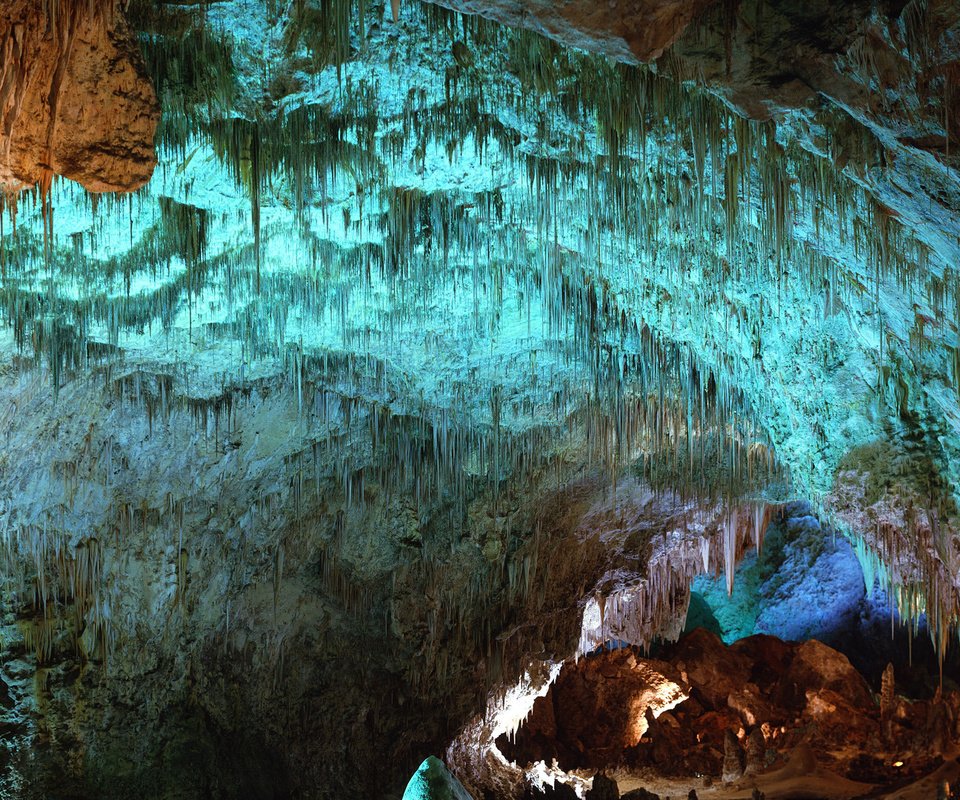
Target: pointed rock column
[(603, 788), (887, 704), (756, 751), (732, 758), (433, 781)]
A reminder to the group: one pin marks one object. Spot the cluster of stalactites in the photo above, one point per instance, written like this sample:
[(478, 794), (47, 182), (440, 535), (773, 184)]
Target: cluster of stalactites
[(915, 564), (59, 591), (672, 187), (655, 607)]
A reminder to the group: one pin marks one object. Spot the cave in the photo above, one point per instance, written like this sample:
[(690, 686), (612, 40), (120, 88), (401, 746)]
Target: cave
[(777, 687), (479, 399)]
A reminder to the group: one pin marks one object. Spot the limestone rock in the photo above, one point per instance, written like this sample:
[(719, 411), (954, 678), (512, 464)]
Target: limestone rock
[(752, 707), (816, 666), (887, 691), (801, 762), (556, 791), (596, 710), (433, 781), (74, 97), (290, 597), (887, 702), (640, 794), (711, 667), (936, 729), (756, 751), (769, 656), (732, 759)]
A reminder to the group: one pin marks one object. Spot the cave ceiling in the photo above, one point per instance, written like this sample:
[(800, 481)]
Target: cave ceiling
[(394, 258)]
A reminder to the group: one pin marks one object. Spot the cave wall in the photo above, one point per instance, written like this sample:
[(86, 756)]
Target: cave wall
[(808, 582), (320, 428), (225, 622)]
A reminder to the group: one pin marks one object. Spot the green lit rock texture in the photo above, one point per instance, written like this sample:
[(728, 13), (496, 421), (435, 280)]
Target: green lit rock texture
[(433, 781)]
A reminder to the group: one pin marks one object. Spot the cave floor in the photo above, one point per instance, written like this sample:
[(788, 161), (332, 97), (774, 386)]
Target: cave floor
[(796, 781)]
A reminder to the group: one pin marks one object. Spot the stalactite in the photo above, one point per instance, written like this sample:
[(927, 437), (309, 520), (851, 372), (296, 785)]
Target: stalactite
[(637, 236), (731, 543)]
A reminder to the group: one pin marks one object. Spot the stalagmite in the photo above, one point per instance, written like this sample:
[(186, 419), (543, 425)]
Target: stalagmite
[(760, 520), (732, 758), (887, 703), (756, 753)]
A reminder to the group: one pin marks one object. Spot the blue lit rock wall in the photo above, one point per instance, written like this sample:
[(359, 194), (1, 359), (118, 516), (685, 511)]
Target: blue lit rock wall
[(810, 583), (806, 584)]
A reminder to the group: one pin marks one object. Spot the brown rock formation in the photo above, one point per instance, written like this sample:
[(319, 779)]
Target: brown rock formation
[(756, 752), (732, 758), (591, 715), (818, 667), (74, 99), (762, 58), (628, 30), (597, 710), (887, 703), (640, 794), (711, 667), (604, 788)]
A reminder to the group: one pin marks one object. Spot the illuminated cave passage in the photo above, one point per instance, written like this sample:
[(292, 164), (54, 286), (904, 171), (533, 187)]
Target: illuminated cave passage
[(808, 582), (775, 709), (783, 718), (363, 362)]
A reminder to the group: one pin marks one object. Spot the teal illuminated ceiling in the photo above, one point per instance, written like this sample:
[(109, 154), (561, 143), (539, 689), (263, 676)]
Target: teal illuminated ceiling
[(489, 254)]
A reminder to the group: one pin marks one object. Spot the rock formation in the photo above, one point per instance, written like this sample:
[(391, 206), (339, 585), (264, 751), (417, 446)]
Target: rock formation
[(74, 97), (807, 730), (732, 759), (436, 353), (620, 691), (628, 30), (603, 788), (639, 794), (756, 752), (433, 781)]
